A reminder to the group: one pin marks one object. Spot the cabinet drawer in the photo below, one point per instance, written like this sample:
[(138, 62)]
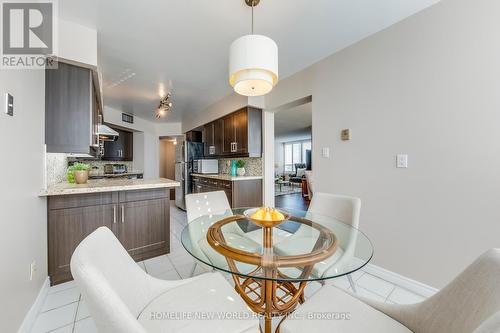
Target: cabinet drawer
[(82, 200), (139, 195)]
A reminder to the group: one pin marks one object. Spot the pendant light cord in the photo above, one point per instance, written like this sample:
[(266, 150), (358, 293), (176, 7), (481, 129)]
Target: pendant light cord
[(252, 16)]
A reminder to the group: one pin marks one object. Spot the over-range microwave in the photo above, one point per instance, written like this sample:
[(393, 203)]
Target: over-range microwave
[(205, 166)]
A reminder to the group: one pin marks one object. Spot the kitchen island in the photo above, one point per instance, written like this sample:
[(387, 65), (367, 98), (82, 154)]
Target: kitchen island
[(136, 210)]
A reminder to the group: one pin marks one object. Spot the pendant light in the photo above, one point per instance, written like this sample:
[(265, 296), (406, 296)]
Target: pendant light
[(253, 62)]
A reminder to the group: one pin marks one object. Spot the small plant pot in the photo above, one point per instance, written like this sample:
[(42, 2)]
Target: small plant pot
[(81, 177), (240, 171)]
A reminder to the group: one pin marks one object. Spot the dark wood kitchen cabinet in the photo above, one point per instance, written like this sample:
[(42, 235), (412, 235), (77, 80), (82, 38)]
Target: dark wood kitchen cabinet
[(139, 219), (240, 193), (212, 139), (120, 150), (238, 134), (71, 110)]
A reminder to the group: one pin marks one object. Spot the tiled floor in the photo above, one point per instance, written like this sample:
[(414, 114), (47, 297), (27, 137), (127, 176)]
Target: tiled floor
[(64, 310)]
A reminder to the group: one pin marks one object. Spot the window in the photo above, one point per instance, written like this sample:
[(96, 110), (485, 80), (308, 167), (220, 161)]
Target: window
[(295, 152)]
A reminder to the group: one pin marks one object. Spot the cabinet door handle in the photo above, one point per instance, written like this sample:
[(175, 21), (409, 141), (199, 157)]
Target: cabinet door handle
[(123, 214), (114, 214)]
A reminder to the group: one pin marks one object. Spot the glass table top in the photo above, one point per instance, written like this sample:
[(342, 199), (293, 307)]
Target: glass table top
[(307, 247)]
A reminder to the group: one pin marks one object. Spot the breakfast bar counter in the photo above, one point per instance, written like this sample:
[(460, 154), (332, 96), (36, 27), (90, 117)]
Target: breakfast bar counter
[(108, 185), (137, 211)]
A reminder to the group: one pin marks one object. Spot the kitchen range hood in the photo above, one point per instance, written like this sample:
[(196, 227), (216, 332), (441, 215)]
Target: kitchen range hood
[(106, 133)]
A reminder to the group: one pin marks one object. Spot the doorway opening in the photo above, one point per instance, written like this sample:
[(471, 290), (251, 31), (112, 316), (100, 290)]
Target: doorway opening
[(293, 155), (167, 159)]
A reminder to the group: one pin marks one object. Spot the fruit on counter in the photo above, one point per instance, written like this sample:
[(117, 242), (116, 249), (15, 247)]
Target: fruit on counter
[(268, 214)]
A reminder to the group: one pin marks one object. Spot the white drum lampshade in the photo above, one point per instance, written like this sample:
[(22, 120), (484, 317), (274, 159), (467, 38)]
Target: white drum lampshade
[(253, 65)]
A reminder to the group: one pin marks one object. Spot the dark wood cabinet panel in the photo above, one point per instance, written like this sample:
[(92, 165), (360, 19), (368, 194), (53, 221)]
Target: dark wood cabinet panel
[(228, 134), (70, 110), (140, 220), (238, 134), (142, 227), (120, 150), (66, 229), (241, 193)]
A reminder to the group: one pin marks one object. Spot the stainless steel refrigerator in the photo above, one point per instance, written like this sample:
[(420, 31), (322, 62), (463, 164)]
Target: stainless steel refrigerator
[(185, 153)]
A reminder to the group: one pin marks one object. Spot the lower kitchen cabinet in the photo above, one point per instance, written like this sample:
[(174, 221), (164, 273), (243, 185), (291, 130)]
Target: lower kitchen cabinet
[(140, 219), (240, 193)]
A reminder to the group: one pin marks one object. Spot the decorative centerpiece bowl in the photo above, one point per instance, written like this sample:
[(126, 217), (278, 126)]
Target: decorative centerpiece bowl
[(266, 217)]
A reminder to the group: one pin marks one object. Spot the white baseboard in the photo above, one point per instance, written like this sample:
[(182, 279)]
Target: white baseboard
[(399, 280), (29, 319)]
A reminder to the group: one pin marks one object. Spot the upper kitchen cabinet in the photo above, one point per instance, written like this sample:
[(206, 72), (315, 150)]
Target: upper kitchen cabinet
[(120, 150), (71, 110), (242, 133), (212, 138)]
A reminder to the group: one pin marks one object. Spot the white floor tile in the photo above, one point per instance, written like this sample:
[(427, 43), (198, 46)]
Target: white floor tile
[(65, 329), (375, 285), (368, 294), (62, 286), (83, 311), (182, 260), (168, 275), (340, 282), (403, 296), (57, 318), (185, 270), (61, 298), (85, 326), (158, 265), (141, 265), (311, 289)]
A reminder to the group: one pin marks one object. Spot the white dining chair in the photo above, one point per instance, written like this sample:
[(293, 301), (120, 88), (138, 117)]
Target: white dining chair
[(122, 298), (310, 184), (212, 207), (469, 304), (323, 208)]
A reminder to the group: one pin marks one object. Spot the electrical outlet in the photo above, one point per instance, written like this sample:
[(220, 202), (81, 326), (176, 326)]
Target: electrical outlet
[(32, 270)]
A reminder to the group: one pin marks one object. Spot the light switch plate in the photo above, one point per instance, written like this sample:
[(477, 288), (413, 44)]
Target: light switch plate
[(325, 152), (9, 104), (402, 161)]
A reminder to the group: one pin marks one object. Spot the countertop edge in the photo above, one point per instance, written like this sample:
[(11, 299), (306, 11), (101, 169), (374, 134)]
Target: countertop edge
[(227, 177), (110, 188)]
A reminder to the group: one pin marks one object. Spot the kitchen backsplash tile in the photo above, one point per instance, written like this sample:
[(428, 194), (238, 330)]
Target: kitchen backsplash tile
[(100, 164), (56, 165), (253, 166)]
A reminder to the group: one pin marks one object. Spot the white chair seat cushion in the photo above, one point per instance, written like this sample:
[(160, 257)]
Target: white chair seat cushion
[(210, 296), (332, 301)]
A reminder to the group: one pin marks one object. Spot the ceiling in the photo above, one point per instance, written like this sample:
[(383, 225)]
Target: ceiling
[(152, 46), (293, 122)]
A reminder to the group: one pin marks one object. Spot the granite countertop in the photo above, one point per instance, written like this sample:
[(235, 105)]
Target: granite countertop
[(226, 177), (108, 185)]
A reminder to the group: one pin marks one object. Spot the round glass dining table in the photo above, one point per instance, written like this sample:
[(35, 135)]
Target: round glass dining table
[(271, 265)]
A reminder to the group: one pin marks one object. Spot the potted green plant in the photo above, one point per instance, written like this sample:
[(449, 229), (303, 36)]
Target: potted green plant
[(79, 173), (240, 167)]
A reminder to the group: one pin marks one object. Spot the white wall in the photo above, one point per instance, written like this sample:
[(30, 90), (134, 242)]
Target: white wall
[(146, 140), (77, 43), (428, 86), (23, 215)]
